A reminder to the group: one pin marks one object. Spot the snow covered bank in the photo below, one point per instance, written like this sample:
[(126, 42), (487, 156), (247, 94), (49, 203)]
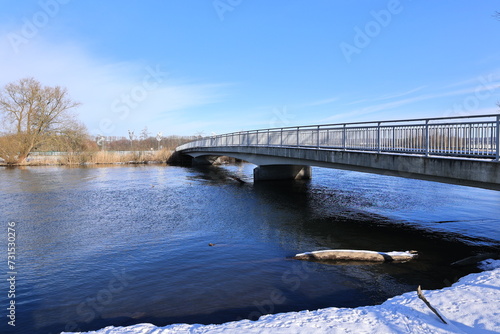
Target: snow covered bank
[(472, 305)]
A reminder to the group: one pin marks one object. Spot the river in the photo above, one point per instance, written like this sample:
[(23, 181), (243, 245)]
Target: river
[(121, 245)]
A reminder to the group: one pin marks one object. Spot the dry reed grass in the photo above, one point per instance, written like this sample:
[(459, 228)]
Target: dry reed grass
[(101, 157)]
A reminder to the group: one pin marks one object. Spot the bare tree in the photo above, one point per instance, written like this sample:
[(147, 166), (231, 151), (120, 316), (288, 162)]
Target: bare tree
[(145, 133), (32, 114), (71, 139)]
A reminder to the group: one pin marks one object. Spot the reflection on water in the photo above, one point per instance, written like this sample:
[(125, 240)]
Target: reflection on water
[(124, 245)]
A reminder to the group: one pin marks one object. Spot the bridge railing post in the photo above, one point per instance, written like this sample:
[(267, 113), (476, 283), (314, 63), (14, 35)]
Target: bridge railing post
[(281, 135), (427, 138), (318, 143), (344, 138), (298, 140), (379, 139), (393, 138), (498, 139)]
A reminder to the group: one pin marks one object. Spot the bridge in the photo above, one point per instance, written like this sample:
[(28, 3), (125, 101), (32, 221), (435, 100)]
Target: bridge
[(461, 150)]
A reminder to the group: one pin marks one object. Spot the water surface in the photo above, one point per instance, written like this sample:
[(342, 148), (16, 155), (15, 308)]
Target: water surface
[(124, 245)]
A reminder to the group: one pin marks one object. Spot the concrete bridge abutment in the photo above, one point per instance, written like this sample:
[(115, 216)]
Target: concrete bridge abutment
[(282, 172)]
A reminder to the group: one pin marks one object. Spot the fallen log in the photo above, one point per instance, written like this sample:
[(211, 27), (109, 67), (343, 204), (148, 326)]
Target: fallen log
[(357, 255), (473, 260)]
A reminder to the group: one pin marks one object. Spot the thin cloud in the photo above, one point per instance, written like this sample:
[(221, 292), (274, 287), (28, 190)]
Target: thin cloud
[(319, 102), (356, 102), (387, 97), (397, 95), (115, 96)]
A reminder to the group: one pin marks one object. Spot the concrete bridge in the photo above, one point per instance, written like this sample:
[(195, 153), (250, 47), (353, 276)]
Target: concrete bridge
[(462, 150)]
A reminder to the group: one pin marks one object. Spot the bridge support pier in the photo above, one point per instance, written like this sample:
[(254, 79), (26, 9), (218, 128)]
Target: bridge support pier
[(282, 172)]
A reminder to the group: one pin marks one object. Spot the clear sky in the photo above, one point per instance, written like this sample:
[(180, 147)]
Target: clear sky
[(200, 67)]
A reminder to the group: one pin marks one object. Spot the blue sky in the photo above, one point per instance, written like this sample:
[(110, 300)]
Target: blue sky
[(200, 67)]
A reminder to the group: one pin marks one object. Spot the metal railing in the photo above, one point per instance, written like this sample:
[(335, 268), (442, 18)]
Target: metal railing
[(474, 136)]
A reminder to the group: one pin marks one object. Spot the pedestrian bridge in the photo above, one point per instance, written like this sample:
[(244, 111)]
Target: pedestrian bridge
[(461, 150)]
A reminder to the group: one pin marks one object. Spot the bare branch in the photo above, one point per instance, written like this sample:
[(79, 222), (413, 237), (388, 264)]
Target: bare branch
[(421, 296)]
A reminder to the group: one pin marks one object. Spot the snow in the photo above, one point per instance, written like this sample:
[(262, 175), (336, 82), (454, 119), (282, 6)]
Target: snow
[(472, 305), (340, 251), (407, 253), (393, 253), (489, 264)]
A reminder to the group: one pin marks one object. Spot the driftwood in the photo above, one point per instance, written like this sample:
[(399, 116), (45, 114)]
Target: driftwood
[(237, 179), (421, 296), (473, 260), (356, 255)]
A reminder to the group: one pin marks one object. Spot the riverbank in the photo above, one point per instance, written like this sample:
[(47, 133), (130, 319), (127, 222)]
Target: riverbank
[(95, 158), (472, 305)]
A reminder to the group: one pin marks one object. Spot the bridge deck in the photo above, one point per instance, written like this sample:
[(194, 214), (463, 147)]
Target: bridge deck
[(464, 150)]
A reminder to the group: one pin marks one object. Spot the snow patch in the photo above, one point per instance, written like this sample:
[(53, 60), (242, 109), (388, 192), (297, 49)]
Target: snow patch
[(489, 264), (394, 253)]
